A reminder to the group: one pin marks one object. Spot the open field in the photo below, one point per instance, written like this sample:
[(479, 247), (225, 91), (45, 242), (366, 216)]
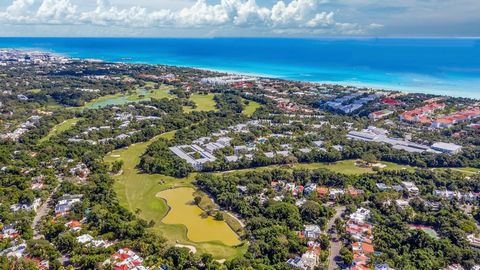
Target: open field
[(182, 210), (64, 126), (251, 108), (204, 103), (139, 191)]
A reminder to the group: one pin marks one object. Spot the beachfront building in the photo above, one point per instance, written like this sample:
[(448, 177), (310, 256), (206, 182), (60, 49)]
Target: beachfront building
[(422, 114), (230, 79), (380, 114), (457, 117)]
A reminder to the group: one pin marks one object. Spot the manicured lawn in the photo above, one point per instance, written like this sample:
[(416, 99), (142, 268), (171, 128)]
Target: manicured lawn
[(121, 98), (204, 103), (467, 171), (35, 91), (345, 166), (182, 210), (64, 126), (139, 191), (251, 108)]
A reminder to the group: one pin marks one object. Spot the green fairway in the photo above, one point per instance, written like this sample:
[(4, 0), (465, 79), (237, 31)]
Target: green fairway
[(140, 94), (203, 102), (251, 108), (64, 126), (345, 166), (35, 91), (139, 191), (466, 171)]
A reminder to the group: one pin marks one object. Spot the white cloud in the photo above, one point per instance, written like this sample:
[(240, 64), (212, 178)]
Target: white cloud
[(56, 11), (323, 19), (296, 16)]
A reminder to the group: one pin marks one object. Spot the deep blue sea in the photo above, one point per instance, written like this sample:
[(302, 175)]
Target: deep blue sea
[(438, 66)]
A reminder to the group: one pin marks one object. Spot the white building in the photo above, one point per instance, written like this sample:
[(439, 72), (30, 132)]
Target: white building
[(448, 148), (411, 188)]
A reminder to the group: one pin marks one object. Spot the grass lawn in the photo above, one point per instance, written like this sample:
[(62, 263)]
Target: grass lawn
[(466, 171), (207, 203), (204, 103), (139, 191), (35, 91), (345, 166), (124, 98), (251, 108), (64, 126)]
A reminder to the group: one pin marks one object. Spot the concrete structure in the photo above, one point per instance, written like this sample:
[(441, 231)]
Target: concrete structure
[(189, 153), (448, 148)]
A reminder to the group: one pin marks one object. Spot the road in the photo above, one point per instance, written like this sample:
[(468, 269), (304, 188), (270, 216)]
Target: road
[(41, 212), (335, 243), (236, 218)]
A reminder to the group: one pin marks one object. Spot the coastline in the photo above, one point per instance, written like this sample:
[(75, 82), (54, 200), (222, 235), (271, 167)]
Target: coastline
[(399, 65)]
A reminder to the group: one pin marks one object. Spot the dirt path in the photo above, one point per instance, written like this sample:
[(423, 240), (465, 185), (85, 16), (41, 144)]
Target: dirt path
[(335, 243)]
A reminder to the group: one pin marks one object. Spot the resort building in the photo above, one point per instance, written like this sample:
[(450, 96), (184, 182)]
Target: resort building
[(380, 114), (193, 155), (448, 148)]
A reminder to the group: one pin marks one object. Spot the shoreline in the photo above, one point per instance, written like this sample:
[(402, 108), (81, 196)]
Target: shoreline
[(375, 86)]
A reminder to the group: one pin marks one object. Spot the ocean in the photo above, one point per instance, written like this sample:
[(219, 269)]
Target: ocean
[(427, 65)]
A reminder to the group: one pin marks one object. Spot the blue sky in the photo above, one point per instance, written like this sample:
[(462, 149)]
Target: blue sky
[(216, 18)]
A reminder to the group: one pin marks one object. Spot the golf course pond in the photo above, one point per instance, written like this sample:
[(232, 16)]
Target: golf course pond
[(183, 211)]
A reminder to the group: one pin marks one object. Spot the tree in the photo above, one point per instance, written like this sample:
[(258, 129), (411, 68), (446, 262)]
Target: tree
[(117, 166), (219, 215), (369, 158), (197, 200)]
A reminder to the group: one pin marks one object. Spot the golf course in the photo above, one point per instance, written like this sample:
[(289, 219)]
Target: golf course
[(168, 202), (184, 211), (64, 126)]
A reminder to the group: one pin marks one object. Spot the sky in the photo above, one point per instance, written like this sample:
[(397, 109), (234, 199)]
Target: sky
[(239, 18)]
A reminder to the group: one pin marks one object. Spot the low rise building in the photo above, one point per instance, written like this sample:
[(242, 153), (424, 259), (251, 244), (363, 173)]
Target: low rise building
[(411, 188), (448, 148)]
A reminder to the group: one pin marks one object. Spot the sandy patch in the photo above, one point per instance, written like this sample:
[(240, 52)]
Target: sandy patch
[(191, 248)]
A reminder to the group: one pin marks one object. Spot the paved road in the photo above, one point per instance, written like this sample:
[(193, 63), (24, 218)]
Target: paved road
[(41, 212), (236, 218), (335, 243)]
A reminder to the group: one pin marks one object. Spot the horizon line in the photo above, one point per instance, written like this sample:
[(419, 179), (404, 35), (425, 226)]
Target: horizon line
[(256, 37)]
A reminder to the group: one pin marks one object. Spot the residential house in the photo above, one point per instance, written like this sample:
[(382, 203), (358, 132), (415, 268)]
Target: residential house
[(312, 231), (411, 188)]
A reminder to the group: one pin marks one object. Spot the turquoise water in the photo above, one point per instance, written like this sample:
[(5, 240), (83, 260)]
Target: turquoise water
[(437, 66)]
